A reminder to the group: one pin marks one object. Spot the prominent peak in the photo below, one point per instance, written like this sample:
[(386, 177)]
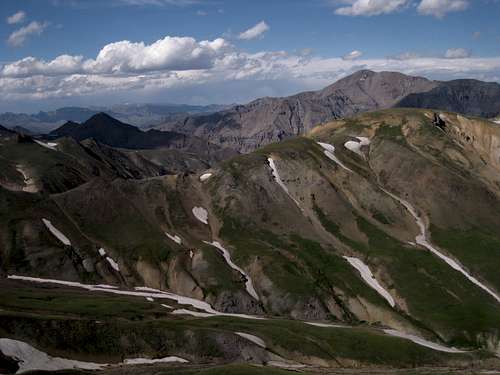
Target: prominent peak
[(4, 130), (364, 72), (71, 123), (65, 129), (100, 117), (365, 75)]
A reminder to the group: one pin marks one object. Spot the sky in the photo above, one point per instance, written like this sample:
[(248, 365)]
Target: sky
[(56, 53)]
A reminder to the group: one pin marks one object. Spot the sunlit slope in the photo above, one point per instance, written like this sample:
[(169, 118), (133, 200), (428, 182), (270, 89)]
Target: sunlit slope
[(390, 219)]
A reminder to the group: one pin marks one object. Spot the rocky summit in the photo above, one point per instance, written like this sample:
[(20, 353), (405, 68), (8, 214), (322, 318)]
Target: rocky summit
[(267, 120)]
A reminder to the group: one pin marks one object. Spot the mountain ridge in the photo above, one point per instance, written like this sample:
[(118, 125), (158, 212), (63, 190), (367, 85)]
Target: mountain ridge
[(141, 115), (265, 120), (371, 241), (153, 144)]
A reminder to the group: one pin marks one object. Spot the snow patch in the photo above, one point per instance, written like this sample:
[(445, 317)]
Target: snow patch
[(201, 214), (113, 264), (166, 306), (278, 180), (210, 312), (329, 152), (422, 240), (174, 238), (50, 145), (142, 361), (182, 300), (256, 340), (285, 365), (227, 256), (326, 325), (140, 292), (56, 232), (61, 282), (422, 342), (150, 299), (192, 313), (191, 254), (106, 286), (102, 252), (31, 358), (367, 276), (205, 176), (355, 146)]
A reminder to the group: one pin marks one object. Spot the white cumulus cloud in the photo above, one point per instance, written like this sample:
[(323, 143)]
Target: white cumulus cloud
[(370, 7), (255, 31), (125, 57), (353, 55), (17, 17), (439, 8), (18, 37), (176, 66), (169, 53), (457, 53)]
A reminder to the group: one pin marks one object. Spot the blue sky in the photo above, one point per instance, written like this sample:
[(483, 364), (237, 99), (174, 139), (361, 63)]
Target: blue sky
[(228, 51)]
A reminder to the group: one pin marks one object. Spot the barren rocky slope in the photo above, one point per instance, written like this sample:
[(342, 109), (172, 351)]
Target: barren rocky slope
[(382, 225), (266, 120)]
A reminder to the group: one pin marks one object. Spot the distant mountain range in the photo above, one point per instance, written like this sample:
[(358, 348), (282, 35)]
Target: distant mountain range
[(245, 128), (136, 114), (109, 131), (266, 120)]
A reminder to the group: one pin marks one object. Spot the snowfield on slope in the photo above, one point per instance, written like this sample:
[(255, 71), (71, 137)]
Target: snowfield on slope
[(355, 146), (207, 310), (329, 151), (113, 264), (174, 238), (367, 276), (201, 214), (422, 342), (139, 292), (422, 240), (278, 180), (392, 332), (31, 358), (198, 314), (205, 176), (227, 256), (143, 361), (56, 232), (326, 325), (256, 340), (50, 145)]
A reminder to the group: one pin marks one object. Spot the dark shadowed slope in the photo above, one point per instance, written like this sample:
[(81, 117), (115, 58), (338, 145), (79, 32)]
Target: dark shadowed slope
[(466, 96), (109, 131), (266, 120)]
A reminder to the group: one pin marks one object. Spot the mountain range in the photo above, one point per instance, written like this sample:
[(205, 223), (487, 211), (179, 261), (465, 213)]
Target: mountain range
[(266, 120), (141, 115), (341, 239)]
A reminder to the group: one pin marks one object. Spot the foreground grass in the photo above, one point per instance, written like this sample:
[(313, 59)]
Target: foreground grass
[(107, 328)]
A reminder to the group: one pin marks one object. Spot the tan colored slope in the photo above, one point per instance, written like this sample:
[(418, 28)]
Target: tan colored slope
[(291, 234)]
